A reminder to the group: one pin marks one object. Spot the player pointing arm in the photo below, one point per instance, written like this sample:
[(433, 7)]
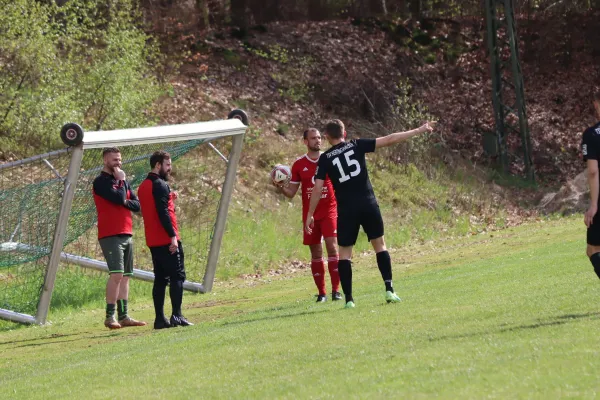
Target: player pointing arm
[(345, 165), (384, 141)]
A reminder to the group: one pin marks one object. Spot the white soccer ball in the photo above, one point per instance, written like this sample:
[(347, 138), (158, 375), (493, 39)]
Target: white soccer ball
[(281, 174)]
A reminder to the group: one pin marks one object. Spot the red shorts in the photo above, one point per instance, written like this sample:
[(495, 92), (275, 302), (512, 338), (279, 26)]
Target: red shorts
[(326, 227)]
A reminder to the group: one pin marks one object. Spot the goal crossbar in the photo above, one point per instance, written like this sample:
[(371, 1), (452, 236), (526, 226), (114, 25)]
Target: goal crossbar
[(160, 134)]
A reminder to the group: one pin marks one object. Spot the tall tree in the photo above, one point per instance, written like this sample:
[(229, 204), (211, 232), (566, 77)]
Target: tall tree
[(415, 8), (377, 7), (265, 11), (239, 17), (203, 13), (315, 10)]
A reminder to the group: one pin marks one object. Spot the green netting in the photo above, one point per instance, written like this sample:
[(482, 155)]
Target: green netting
[(135, 163), (30, 197)]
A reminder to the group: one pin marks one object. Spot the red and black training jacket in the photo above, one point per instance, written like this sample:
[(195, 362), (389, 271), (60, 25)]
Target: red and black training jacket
[(114, 203), (158, 211)]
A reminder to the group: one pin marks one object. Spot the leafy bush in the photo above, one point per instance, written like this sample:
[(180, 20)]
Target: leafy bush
[(86, 61)]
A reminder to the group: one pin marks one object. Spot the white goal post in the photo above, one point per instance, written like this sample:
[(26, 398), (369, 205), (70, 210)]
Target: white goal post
[(79, 141)]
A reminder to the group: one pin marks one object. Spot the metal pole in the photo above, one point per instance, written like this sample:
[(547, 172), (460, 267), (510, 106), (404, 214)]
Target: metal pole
[(90, 263), (34, 158), (59, 234), (215, 246), (212, 146), (16, 317), (137, 273)]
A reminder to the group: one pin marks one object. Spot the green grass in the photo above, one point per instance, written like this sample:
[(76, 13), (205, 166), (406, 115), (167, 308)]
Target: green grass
[(512, 314), (265, 232)]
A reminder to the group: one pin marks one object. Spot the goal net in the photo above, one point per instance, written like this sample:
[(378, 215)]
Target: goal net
[(49, 252)]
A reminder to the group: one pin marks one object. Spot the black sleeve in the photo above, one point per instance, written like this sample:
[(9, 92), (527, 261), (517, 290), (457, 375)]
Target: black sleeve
[(321, 167), (133, 203), (366, 145), (588, 145), (110, 189), (161, 193)]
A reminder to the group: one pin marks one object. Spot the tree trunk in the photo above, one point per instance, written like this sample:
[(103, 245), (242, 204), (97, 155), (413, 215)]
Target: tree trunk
[(239, 17), (315, 10), (202, 7), (377, 7), (265, 11), (415, 8)]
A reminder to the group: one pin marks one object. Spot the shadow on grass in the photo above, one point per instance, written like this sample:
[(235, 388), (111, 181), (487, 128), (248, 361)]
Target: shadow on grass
[(272, 317), (48, 339), (53, 336), (554, 321)]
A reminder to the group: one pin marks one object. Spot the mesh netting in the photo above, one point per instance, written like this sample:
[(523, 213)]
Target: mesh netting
[(30, 196)]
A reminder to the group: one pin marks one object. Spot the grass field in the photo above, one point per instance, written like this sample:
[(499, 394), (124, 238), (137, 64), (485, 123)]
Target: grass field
[(511, 314)]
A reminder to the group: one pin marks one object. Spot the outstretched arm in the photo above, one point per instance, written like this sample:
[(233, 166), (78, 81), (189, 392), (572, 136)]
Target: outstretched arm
[(398, 137), (314, 201)]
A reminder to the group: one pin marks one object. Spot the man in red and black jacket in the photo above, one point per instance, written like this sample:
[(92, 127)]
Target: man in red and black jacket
[(162, 237), (114, 203)]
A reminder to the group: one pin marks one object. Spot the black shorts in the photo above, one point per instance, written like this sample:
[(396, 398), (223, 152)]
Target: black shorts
[(593, 232), (168, 267), (351, 218)]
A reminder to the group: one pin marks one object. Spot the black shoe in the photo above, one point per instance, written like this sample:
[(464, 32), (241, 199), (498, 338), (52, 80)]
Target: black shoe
[(321, 298), (335, 296), (179, 320), (161, 323)]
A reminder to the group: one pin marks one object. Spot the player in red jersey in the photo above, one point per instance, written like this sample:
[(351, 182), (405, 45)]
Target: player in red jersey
[(115, 201), (303, 173)]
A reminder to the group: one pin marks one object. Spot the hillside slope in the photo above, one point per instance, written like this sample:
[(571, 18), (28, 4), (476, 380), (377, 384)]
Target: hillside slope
[(292, 75)]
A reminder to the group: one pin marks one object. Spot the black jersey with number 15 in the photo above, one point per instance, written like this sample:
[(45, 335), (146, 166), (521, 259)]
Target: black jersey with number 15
[(345, 165)]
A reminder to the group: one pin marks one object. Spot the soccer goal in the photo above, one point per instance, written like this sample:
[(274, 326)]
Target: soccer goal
[(48, 234)]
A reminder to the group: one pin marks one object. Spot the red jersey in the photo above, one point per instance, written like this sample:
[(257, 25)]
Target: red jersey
[(303, 172), (158, 211), (114, 201)]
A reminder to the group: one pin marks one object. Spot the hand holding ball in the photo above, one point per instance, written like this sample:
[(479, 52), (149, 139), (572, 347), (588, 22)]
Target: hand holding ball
[(281, 175)]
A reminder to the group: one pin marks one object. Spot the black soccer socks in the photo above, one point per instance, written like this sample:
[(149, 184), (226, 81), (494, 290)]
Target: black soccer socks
[(122, 308), (158, 296), (345, 271), (176, 293), (384, 262), (595, 260), (110, 310)]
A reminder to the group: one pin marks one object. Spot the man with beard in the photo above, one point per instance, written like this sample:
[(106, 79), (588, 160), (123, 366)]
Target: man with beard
[(303, 173), (162, 237), (115, 201)]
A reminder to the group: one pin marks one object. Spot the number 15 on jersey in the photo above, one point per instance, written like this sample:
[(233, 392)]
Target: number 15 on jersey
[(350, 164)]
